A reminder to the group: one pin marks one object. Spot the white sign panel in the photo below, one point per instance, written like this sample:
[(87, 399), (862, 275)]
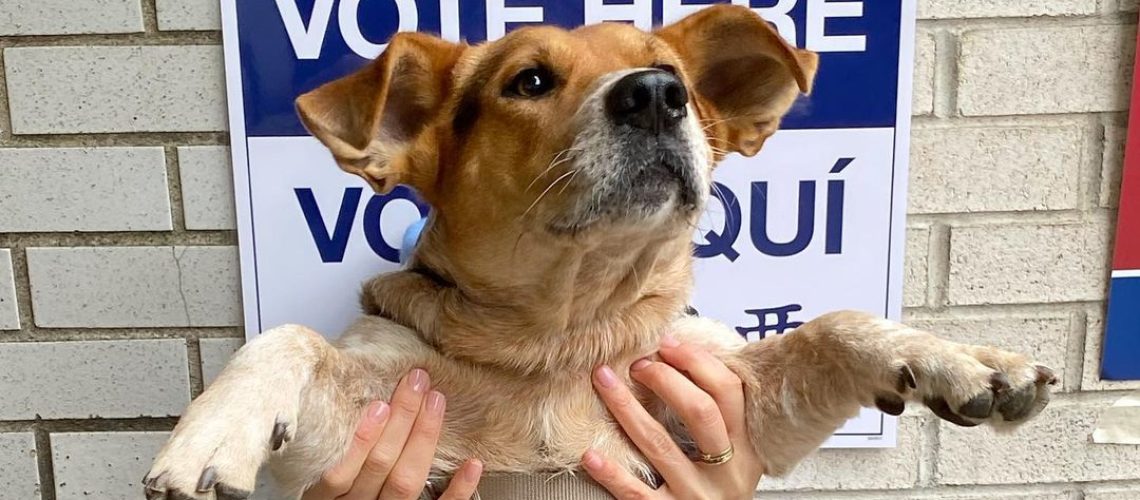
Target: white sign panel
[(814, 223)]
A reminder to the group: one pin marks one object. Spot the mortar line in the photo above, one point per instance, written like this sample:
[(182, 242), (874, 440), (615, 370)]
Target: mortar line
[(23, 283), (174, 189), (194, 362), (168, 38), (44, 463), (1075, 351), (5, 108), (1091, 166), (938, 272), (150, 16), (945, 74)]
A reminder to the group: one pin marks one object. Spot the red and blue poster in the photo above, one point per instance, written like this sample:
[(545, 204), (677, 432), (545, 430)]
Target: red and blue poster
[(1121, 358)]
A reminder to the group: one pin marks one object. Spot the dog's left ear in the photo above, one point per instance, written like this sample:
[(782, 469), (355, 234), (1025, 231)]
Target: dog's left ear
[(741, 67), (369, 119)]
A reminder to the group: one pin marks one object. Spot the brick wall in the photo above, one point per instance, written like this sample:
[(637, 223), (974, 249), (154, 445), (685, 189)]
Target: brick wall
[(119, 280)]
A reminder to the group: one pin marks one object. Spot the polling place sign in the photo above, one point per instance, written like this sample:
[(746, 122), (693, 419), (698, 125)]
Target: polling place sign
[(814, 223)]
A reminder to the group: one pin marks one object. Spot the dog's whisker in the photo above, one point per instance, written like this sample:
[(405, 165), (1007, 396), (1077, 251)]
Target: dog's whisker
[(545, 191), (553, 163), (728, 210), (569, 182)]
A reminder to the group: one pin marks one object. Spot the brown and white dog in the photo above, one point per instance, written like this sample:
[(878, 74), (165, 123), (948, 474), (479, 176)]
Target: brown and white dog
[(566, 169)]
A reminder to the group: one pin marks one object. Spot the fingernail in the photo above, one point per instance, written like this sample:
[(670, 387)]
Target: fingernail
[(640, 364), (435, 402), (419, 380), (378, 411), (592, 460), (606, 377), (473, 471), (668, 340)]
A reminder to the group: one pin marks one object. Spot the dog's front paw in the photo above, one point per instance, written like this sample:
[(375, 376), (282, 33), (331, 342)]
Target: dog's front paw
[(972, 385), (215, 451)]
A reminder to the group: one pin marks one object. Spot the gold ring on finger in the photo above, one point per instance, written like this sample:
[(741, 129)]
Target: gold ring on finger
[(717, 459)]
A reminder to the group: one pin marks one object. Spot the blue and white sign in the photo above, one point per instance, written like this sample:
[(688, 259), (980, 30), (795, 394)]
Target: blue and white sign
[(813, 223)]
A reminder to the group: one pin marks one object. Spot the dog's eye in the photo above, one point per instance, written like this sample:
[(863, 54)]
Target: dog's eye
[(532, 82)]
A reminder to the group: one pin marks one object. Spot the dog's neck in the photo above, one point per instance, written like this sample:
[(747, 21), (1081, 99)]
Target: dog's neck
[(564, 309)]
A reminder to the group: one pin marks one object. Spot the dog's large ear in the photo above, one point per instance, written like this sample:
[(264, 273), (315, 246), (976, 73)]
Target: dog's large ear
[(368, 118), (738, 64)]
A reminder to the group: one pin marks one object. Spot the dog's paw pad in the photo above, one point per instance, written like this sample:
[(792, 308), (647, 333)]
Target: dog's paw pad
[(890, 404)]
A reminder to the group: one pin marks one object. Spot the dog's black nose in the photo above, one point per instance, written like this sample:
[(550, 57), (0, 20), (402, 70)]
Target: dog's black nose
[(652, 100)]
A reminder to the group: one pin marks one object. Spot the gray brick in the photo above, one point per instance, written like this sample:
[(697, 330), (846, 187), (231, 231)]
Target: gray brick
[(189, 15), (103, 464), (207, 187), (104, 379), (106, 465), (925, 54), (1112, 493), (917, 267), (1042, 339), (107, 287), (965, 9), (19, 473), (91, 189), (69, 17), (998, 264), (994, 169), (1045, 70), (1113, 163), (1053, 448), (9, 313), (850, 469), (1094, 341), (75, 90), (215, 354)]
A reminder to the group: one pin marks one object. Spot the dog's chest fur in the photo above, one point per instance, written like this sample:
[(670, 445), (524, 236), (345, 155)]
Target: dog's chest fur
[(516, 423)]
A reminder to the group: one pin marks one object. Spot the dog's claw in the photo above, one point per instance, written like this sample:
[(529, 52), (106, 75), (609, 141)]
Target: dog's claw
[(1046, 376), (999, 382), (906, 379), (941, 408), (280, 436), (207, 480), (152, 491)]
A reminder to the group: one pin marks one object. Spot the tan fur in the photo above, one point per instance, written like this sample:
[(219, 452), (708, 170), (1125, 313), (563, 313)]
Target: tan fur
[(519, 316)]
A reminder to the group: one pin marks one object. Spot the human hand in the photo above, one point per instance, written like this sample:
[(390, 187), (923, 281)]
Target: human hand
[(392, 449), (710, 402)]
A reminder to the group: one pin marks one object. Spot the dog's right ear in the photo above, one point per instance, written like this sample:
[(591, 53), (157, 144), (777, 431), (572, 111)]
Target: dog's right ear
[(369, 118)]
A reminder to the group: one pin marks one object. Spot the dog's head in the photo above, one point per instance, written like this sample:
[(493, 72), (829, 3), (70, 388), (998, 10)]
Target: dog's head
[(563, 132)]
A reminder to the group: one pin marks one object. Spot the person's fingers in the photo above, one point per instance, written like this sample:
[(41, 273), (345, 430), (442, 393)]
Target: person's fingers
[(616, 480), (407, 400), (464, 482), (698, 410), (710, 374), (407, 478), (646, 432), (338, 480)]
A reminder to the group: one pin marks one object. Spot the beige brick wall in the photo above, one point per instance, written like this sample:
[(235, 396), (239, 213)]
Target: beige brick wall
[(113, 314)]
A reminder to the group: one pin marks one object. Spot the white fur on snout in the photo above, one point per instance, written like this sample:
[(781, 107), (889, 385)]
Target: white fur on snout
[(598, 151)]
